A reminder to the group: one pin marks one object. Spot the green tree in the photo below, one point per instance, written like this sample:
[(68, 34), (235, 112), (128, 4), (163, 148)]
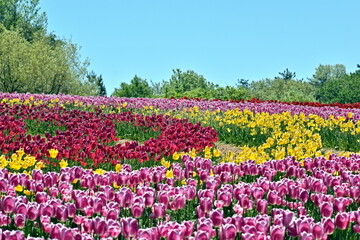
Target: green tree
[(324, 73), (24, 16), (138, 87), (343, 90), (280, 89), (38, 67), (97, 83), (189, 84), (287, 75)]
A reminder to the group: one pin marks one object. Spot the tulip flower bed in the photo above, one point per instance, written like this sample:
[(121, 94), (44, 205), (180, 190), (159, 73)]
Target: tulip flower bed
[(280, 199), (90, 138), (123, 168)]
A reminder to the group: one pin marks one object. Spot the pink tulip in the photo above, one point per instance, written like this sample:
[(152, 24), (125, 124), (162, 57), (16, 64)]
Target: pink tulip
[(228, 231), (317, 231), (202, 235), (272, 197), (19, 220), (277, 232), (356, 228), (304, 195), (129, 227), (137, 209), (306, 236), (262, 206), (8, 204), (21, 208), (178, 202), (328, 225), (326, 209), (100, 227), (342, 221), (159, 210), (205, 204), (62, 213), (189, 228), (32, 212)]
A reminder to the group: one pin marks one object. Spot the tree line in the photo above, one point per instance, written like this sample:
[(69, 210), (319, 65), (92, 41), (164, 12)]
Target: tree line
[(329, 84)]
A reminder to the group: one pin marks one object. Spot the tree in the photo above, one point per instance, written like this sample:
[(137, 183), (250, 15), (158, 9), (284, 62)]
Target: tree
[(282, 90), (97, 83), (187, 84), (287, 75), (38, 67), (343, 90), (138, 87), (324, 73), (24, 16)]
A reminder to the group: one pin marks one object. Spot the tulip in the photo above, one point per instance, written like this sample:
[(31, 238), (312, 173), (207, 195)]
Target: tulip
[(342, 220), (217, 217), (262, 206), (304, 195), (62, 213), (8, 204), (317, 230), (205, 204), (326, 209), (202, 235), (228, 231), (277, 232), (328, 225), (137, 209), (178, 202), (129, 227), (19, 220), (32, 212)]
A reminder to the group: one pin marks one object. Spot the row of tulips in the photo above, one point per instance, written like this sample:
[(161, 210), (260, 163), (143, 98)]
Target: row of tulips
[(312, 199), (91, 137), (179, 104)]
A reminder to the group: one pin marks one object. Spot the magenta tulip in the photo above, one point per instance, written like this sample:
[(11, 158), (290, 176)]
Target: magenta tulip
[(262, 206), (342, 220), (129, 227), (228, 231), (217, 216), (326, 209), (277, 232), (317, 230), (328, 225), (19, 220), (159, 210), (8, 204)]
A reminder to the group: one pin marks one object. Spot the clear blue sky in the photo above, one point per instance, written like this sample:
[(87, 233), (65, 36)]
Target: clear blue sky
[(221, 40)]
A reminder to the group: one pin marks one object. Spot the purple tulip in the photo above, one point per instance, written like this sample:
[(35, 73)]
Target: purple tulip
[(62, 213), (205, 204), (202, 235), (228, 231), (217, 216), (33, 212), (129, 227), (178, 202), (272, 197), (304, 195), (8, 204), (262, 206)]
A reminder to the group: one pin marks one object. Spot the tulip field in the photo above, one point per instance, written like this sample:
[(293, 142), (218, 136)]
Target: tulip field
[(74, 168)]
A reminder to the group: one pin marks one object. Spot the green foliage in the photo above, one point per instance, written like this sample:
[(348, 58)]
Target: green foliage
[(188, 84), (97, 84), (39, 67), (24, 16), (323, 73), (343, 90), (138, 87), (280, 89)]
